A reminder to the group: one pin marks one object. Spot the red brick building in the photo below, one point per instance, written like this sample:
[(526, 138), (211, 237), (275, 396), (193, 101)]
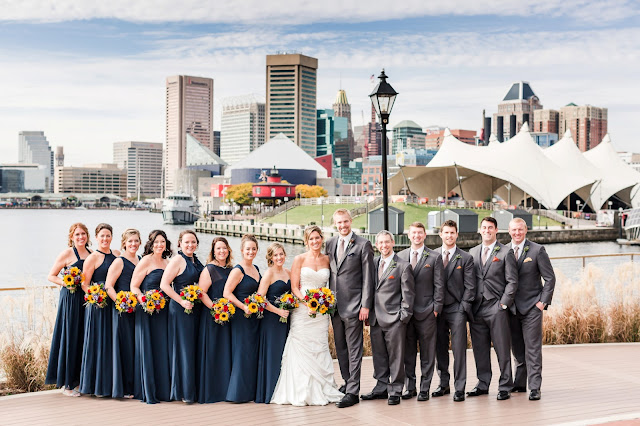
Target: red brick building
[(588, 124)]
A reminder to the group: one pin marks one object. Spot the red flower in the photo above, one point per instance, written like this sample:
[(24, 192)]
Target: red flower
[(495, 259), (306, 298), (85, 297), (225, 308), (144, 298), (181, 293), (247, 300), (99, 299), (316, 296), (217, 316)]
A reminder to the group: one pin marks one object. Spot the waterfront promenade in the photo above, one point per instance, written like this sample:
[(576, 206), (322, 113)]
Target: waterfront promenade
[(582, 384)]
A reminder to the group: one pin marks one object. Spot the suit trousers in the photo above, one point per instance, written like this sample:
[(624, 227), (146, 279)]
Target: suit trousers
[(491, 324), (452, 321), (387, 347), (526, 345), (423, 332), (348, 338)]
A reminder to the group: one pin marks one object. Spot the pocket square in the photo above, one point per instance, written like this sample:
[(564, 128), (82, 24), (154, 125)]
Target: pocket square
[(528, 259), (495, 259), (458, 267), (391, 277), (427, 266)]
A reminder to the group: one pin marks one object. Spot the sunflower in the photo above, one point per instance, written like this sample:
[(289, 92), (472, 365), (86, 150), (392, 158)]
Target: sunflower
[(222, 301), (162, 303), (224, 316), (68, 280), (253, 307), (156, 296), (150, 305), (232, 309), (326, 291), (74, 271), (94, 288), (323, 309), (313, 304), (191, 296), (331, 298)]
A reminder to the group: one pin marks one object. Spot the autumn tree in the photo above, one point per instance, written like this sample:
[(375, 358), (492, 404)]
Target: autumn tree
[(240, 194), (311, 191)]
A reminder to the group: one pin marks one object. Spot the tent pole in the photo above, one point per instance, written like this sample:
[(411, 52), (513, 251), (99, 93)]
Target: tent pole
[(446, 185)]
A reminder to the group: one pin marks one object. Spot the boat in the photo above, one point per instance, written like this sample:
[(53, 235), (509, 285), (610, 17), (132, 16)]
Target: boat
[(179, 209)]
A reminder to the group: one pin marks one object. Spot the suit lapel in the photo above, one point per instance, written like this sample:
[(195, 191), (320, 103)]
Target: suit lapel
[(422, 261), (332, 257), (490, 257), (452, 263), (525, 249), (388, 269), (352, 242)]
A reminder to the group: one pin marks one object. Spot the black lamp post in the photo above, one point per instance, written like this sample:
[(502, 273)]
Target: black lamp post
[(382, 98)]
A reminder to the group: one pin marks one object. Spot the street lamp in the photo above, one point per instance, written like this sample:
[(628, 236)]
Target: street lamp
[(321, 212), (383, 98), (285, 212)]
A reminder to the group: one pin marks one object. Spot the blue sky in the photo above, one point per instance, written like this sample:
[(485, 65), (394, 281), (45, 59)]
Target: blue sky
[(90, 75)]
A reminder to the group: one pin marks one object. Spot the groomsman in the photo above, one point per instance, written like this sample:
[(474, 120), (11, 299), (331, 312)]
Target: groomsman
[(496, 285), (459, 284), (427, 269), (392, 310), (532, 298)]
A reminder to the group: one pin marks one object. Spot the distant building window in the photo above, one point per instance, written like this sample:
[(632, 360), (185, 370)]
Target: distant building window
[(288, 190), (258, 190)]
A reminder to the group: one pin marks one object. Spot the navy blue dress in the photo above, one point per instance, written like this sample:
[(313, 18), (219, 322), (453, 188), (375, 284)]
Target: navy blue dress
[(183, 336), (244, 346), (214, 345), (152, 380), (123, 338), (96, 375), (68, 334), (273, 336)]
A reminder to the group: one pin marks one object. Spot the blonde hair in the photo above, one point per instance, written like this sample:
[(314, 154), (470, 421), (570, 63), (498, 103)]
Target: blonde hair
[(128, 233), (271, 250), (519, 221), (311, 229), (341, 211), (248, 238), (72, 230)]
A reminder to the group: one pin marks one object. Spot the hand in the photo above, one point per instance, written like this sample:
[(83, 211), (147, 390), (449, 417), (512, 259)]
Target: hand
[(364, 314), (283, 313), (186, 304), (246, 310), (139, 297), (540, 305), (435, 313)]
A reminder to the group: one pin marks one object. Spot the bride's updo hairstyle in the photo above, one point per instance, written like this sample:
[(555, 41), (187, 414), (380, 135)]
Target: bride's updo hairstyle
[(271, 251), (310, 230)]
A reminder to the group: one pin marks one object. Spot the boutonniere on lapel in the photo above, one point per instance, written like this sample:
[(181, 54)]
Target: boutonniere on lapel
[(392, 265), (425, 254), (528, 259), (457, 257), (495, 250), (526, 249)]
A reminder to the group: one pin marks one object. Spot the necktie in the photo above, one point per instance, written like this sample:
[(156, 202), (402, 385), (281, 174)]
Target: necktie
[(381, 269), (445, 261), (414, 259), (341, 250), (485, 254), (515, 252)]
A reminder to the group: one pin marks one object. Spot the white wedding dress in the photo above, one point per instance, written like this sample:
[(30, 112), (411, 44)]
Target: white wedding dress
[(306, 373)]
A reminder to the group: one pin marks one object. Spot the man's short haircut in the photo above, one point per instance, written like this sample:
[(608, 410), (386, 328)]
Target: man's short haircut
[(490, 220), (418, 225), (384, 232), (450, 223), (341, 212), (519, 221)]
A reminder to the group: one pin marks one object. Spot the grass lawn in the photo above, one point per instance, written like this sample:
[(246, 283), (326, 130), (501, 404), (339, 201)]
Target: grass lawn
[(304, 215)]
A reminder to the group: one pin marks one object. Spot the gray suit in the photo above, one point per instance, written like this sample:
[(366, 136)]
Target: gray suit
[(496, 284), (352, 281), (392, 310), (459, 286), (526, 325), (422, 326)]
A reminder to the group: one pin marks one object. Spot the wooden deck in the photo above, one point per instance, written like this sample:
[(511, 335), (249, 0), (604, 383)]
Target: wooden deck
[(582, 384)]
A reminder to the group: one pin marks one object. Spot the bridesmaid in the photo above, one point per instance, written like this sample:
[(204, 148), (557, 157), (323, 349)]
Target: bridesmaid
[(183, 270), (152, 380), (214, 343), (273, 333), (119, 279), (96, 375), (242, 282), (66, 345)]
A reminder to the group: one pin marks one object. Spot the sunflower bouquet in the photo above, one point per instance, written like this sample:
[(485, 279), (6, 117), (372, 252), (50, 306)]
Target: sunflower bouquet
[(288, 302), (320, 301), (222, 311), (126, 302), (72, 278), (256, 303), (193, 294), (153, 301), (96, 296)]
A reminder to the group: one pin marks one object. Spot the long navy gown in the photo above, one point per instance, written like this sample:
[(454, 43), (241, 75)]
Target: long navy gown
[(96, 375), (183, 336), (68, 334), (214, 345), (244, 346), (123, 338), (273, 336), (152, 379)]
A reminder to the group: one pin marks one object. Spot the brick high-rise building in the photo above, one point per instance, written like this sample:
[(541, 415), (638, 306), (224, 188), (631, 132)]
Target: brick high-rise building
[(545, 121), (516, 108), (588, 124)]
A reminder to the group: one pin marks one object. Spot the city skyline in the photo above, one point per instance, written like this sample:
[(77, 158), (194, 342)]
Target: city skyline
[(91, 77)]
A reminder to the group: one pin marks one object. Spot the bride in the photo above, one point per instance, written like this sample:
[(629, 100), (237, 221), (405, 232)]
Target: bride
[(306, 374)]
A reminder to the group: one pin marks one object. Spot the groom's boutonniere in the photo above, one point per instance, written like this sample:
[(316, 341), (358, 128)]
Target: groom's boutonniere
[(526, 249), (496, 249), (425, 254), (457, 257), (392, 264)]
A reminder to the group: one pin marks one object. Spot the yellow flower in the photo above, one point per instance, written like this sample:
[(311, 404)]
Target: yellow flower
[(253, 307), (222, 301), (224, 316), (313, 304), (323, 309), (150, 305), (94, 288), (68, 279), (162, 303), (326, 291), (156, 296), (103, 294), (331, 298), (191, 296), (232, 309)]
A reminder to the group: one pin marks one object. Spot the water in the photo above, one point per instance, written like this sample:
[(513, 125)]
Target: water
[(31, 240)]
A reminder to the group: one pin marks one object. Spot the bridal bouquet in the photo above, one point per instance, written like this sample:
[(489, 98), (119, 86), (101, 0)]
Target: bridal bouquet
[(256, 303), (126, 302), (72, 278), (193, 294), (222, 310), (96, 296), (153, 301), (288, 302), (320, 301)]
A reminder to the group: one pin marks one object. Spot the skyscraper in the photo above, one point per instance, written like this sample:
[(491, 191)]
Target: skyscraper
[(143, 163), (344, 149), (291, 99), (189, 110), (516, 108), (405, 134), (331, 132), (243, 127), (588, 124), (33, 148)]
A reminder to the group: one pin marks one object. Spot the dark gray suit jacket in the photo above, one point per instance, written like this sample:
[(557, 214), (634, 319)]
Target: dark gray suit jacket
[(459, 278), (352, 279), (499, 275), (428, 282), (394, 294), (534, 266)]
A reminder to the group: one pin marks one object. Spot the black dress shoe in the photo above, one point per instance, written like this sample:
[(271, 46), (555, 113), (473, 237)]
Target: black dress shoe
[(478, 392), (440, 391), (502, 395), (409, 394), (423, 396), (518, 389), (458, 396), (347, 401), (393, 400), (374, 395), (343, 388), (534, 395)]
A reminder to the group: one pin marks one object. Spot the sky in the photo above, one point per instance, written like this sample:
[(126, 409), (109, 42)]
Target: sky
[(90, 74)]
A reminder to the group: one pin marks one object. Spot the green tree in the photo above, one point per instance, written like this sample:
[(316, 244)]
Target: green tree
[(311, 191), (240, 194)]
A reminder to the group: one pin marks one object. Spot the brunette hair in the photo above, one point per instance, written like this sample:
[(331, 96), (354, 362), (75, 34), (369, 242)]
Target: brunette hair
[(310, 230), (248, 238), (450, 223), (418, 225), (271, 250), (211, 257), (128, 233), (148, 247), (102, 226), (72, 230), (185, 232), (490, 220)]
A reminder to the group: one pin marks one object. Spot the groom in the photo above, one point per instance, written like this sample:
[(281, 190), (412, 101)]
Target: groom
[(352, 281)]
